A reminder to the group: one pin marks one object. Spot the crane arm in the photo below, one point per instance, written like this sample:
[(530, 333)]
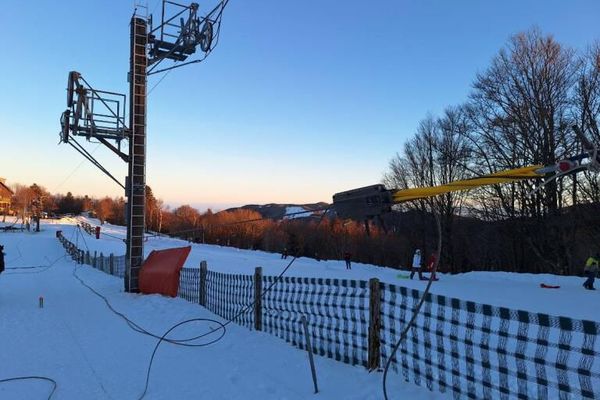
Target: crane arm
[(373, 201), (403, 195)]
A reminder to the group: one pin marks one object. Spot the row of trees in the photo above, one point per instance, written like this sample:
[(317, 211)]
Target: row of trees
[(520, 112), (242, 228), (26, 196), (28, 200), (470, 242)]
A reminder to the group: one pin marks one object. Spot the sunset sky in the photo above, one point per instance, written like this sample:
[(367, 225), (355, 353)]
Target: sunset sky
[(300, 99)]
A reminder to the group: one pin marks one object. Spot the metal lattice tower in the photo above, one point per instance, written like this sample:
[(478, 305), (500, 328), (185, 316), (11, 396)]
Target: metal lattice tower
[(100, 114), (136, 183)]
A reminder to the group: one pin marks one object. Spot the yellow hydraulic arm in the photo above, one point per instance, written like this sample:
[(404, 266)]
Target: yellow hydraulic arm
[(372, 201), (400, 196)]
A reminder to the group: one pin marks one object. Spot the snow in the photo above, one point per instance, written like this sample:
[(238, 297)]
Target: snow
[(507, 289), (92, 354), (291, 212)]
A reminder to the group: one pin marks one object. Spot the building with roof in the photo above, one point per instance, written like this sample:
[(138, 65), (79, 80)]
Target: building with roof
[(5, 197)]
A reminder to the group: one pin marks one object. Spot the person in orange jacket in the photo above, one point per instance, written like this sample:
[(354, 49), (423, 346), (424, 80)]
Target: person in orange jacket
[(430, 263)]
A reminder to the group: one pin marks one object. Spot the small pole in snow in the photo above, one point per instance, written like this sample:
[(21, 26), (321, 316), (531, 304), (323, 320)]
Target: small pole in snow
[(310, 354), (41, 301)]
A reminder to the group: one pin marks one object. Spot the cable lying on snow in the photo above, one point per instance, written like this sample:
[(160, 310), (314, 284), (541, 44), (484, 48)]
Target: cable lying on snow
[(222, 327)]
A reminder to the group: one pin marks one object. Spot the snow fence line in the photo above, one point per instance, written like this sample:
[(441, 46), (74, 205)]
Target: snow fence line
[(473, 350), (111, 264)]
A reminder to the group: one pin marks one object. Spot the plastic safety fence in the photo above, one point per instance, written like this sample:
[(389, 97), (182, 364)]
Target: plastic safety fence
[(189, 285), (228, 294), (90, 229), (70, 247), (101, 262), (119, 265), (115, 267), (336, 311), (479, 351)]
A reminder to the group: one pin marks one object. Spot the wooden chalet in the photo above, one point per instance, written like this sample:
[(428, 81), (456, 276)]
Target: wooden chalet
[(5, 197)]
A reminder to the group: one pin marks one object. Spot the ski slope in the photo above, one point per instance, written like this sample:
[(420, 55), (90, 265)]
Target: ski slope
[(92, 354), (508, 289)]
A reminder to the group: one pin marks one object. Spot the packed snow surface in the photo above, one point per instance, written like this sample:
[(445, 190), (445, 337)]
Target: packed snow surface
[(291, 212), (92, 354), (507, 289)]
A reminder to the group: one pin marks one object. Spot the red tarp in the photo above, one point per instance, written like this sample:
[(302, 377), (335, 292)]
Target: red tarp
[(160, 272)]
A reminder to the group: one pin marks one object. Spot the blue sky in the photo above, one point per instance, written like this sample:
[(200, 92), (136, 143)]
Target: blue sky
[(301, 99)]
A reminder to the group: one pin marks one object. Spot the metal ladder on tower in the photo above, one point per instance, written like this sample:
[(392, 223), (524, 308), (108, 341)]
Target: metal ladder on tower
[(136, 188)]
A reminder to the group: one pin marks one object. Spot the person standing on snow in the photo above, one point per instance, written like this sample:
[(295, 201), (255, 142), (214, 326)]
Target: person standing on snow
[(347, 257), (591, 269), (430, 263), (416, 265), (1, 259)]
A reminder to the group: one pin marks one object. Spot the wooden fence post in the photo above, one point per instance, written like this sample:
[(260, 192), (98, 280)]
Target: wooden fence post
[(202, 289), (95, 259), (111, 264), (258, 298), (374, 324), (87, 257)]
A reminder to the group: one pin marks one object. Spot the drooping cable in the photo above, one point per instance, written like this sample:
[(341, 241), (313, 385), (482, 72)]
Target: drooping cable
[(157, 83), (82, 237), (325, 209), (112, 236), (18, 251), (417, 309), (223, 326), (185, 342), (77, 146), (33, 377), (236, 316)]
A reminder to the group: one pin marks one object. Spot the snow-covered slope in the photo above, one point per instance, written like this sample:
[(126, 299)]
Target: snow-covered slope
[(513, 290), (92, 354)]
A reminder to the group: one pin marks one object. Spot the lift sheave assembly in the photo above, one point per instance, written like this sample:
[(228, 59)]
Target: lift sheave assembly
[(99, 116)]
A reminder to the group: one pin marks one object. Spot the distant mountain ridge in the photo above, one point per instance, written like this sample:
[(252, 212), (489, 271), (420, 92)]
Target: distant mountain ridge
[(280, 211)]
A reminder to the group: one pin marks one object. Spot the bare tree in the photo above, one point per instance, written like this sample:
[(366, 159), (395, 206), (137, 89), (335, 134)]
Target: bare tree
[(103, 209), (586, 113), (437, 154), (520, 110), (21, 200)]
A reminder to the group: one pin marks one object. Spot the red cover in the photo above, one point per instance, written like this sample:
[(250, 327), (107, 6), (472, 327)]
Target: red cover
[(160, 271), (543, 285)]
